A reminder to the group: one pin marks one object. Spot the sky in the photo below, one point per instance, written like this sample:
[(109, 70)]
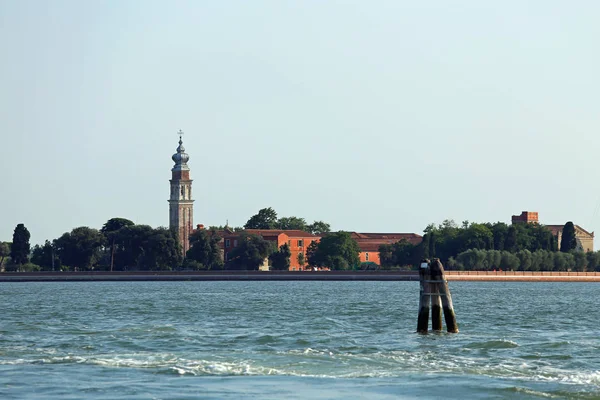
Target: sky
[(374, 116)]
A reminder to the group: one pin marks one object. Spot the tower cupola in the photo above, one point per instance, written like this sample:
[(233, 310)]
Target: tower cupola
[(181, 157)]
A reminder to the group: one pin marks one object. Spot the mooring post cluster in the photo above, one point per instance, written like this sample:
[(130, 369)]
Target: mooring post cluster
[(434, 291)]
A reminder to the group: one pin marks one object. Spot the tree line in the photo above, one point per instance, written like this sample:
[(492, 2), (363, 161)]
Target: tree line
[(474, 246), (121, 245)]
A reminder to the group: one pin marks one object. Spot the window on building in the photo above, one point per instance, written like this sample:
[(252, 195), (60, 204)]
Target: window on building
[(235, 243), (300, 243), (227, 242), (366, 256), (226, 257)]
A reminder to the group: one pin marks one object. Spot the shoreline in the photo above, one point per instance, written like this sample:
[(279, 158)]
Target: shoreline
[(473, 276)]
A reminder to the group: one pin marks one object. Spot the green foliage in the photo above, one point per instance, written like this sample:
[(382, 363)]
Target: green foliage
[(294, 223), (400, 254), (205, 249), (162, 250), (448, 240), (311, 253), (337, 251), (301, 260), (131, 244), (369, 266), (319, 228), (45, 256), (280, 260), (569, 240), (19, 249), (250, 254), (30, 267), (192, 265), (265, 219), (4, 252), (510, 244), (475, 236), (525, 260), (593, 261), (140, 247), (114, 224), (80, 248), (110, 231)]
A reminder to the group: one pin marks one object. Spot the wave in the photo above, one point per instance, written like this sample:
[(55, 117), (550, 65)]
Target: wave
[(493, 344), (325, 363)]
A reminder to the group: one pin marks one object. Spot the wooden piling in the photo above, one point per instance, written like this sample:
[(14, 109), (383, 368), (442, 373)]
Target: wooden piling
[(437, 274), (424, 278), (436, 306)]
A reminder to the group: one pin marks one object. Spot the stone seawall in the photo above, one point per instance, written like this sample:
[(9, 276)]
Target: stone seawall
[(523, 276)]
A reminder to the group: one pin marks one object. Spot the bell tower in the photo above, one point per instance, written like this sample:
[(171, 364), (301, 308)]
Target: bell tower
[(181, 205)]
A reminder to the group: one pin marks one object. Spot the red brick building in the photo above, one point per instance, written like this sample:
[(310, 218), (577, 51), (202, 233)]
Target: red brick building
[(369, 243), (298, 241), (528, 217)]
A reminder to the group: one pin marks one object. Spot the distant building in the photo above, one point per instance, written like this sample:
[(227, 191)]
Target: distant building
[(298, 242), (181, 205), (585, 239), (369, 243), (527, 217)]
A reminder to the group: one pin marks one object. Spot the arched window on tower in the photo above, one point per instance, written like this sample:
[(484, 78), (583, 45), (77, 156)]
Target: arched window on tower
[(183, 192)]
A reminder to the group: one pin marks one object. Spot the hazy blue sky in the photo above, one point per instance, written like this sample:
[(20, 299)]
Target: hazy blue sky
[(371, 115)]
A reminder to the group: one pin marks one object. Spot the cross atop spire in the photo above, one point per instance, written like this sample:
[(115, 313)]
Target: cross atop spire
[(180, 133)]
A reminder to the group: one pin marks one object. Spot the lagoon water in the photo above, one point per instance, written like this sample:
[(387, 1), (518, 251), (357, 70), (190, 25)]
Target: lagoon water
[(231, 340)]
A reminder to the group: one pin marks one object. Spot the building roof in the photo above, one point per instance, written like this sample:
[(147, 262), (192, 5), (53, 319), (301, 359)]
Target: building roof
[(372, 246), (273, 233), (558, 228), (372, 241)]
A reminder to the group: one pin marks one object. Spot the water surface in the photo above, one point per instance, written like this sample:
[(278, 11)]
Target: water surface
[(107, 340)]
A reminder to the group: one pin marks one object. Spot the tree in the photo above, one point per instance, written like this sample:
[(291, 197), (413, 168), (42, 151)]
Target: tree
[(205, 249), (337, 251), (250, 253), (311, 252), (476, 236), (399, 254), (280, 260), (4, 252), (499, 231), (19, 249), (45, 257), (162, 250), (132, 242), (294, 223), (109, 230), (319, 228), (301, 260), (510, 243), (569, 240), (265, 219), (80, 248), (140, 247)]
